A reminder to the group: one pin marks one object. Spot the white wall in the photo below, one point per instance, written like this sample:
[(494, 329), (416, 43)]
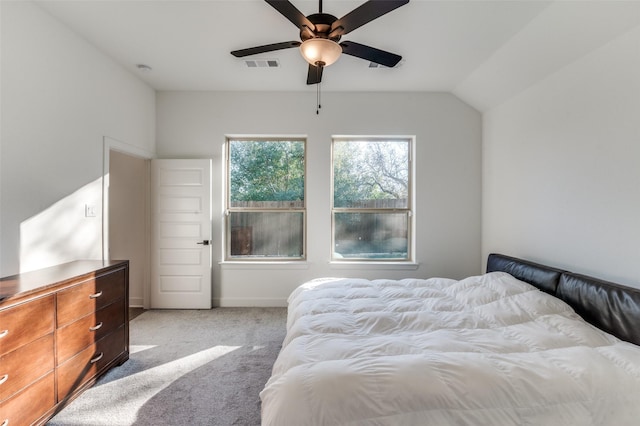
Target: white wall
[(448, 159), (561, 167), (60, 97)]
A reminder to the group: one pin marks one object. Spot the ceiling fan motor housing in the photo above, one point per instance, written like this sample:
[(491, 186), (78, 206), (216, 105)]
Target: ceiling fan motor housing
[(322, 22)]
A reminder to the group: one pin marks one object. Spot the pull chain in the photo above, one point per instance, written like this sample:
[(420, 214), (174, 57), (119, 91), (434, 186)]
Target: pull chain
[(318, 70)]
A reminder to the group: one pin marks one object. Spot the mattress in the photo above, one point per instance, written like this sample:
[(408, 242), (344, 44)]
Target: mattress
[(485, 350)]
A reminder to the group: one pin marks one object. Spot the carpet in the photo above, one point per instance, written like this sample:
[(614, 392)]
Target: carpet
[(186, 367)]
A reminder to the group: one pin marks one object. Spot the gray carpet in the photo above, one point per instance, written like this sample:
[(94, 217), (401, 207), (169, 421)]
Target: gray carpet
[(186, 368)]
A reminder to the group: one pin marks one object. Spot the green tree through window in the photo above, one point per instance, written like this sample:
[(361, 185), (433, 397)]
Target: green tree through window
[(267, 171), (364, 171), (266, 199), (371, 199)]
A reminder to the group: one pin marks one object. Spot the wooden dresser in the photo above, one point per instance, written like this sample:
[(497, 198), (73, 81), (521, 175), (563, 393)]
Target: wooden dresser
[(60, 329)]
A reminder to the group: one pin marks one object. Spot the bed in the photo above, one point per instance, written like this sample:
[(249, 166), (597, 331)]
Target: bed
[(523, 344)]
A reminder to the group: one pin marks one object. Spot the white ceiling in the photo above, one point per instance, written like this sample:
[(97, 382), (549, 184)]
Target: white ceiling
[(482, 51)]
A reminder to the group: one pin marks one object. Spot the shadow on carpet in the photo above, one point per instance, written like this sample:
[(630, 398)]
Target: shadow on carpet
[(186, 367)]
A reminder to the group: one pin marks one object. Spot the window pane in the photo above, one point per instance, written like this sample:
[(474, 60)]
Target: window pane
[(371, 174), (371, 235), (266, 174), (266, 234)]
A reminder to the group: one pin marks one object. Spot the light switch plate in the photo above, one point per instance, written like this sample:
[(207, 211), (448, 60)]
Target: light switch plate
[(90, 210)]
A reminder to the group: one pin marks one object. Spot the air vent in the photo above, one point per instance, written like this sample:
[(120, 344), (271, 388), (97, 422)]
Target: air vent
[(374, 65), (262, 63)]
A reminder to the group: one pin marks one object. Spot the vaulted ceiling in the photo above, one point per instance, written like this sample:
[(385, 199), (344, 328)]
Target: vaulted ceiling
[(482, 51)]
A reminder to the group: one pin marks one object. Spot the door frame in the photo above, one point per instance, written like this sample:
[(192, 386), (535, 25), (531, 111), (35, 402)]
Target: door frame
[(110, 144)]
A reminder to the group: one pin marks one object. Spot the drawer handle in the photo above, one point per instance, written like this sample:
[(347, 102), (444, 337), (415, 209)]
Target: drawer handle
[(95, 327), (4, 378), (2, 334), (98, 358), (95, 295)]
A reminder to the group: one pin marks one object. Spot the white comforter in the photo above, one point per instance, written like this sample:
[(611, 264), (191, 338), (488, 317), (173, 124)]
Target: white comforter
[(486, 350)]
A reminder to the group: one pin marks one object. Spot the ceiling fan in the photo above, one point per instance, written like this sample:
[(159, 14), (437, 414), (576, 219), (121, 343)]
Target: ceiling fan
[(320, 33)]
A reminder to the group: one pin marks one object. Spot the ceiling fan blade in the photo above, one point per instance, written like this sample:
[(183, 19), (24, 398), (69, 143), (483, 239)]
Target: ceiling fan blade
[(266, 48), (290, 12), (363, 14), (372, 54), (314, 76)]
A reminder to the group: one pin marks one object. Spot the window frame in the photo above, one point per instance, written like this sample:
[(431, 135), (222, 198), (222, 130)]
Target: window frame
[(229, 209), (409, 210)]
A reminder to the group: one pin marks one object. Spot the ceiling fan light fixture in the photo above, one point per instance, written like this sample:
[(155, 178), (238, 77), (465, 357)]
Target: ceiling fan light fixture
[(320, 51)]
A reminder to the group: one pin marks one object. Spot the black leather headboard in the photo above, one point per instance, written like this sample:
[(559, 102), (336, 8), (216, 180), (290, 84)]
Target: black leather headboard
[(543, 277), (611, 307)]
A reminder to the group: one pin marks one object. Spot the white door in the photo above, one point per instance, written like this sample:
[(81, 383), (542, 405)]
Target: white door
[(181, 229)]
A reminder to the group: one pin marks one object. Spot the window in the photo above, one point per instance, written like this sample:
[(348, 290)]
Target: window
[(371, 210), (265, 199)]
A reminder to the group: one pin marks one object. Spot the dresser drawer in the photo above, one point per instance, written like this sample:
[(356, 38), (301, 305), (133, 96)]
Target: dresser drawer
[(29, 405), (82, 299), (18, 325), (25, 365), (76, 336), (84, 366)]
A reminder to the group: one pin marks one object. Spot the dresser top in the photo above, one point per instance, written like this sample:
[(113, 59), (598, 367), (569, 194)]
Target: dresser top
[(41, 279)]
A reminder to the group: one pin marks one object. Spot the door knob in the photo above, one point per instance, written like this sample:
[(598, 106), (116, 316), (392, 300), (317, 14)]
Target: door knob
[(204, 242)]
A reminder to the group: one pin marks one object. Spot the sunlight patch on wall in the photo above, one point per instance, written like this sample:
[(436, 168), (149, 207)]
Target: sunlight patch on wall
[(70, 229)]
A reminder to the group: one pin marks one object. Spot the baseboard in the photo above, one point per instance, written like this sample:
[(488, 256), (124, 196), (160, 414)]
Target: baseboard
[(230, 302), (241, 302)]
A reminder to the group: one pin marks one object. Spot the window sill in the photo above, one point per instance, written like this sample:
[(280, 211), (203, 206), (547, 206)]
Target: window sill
[(267, 264), (374, 265)]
